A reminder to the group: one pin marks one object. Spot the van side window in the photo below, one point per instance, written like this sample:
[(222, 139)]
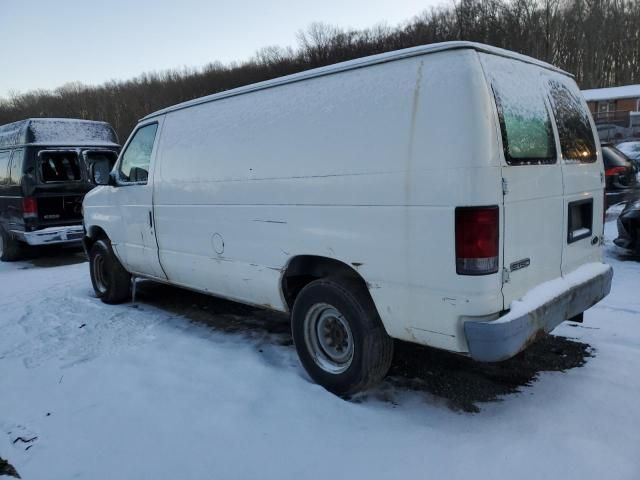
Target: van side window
[(134, 166), (15, 175), (572, 119), (4, 167), (525, 124)]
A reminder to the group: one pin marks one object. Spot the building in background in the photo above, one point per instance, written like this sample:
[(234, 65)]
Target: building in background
[(616, 111), (613, 104)]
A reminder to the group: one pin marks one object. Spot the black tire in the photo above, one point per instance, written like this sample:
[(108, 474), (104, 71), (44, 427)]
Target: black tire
[(10, 248), (111, 282), (372, 352)]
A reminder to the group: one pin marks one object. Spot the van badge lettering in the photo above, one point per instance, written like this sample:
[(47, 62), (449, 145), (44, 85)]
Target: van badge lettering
[(520, 264)]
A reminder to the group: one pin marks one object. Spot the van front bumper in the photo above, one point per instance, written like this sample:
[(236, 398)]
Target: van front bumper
[(540, 311), (51, 235)]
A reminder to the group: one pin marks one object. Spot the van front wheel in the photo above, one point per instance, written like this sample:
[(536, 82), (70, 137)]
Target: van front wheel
[(339, 337), (111, 282)]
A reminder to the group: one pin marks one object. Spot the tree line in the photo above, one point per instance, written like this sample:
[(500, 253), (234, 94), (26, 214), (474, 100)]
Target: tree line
[(596, 40)]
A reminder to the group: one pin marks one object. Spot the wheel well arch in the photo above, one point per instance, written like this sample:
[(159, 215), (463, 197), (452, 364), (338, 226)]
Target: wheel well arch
[(93, 234), (304, 269)]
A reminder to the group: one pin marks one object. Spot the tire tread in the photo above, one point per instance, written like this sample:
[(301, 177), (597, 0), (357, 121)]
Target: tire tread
[(377, 345), (120, 289)]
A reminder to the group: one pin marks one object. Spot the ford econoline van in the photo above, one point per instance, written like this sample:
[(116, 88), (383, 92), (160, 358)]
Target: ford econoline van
[(449, 195), (43, 178)]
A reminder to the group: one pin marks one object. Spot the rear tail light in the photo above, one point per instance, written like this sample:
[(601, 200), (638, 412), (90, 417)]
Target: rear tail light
[(477, 240), (614, 171), (29, 207)]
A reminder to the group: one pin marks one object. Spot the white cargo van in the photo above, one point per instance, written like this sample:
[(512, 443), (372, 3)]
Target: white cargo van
[(449, 195)]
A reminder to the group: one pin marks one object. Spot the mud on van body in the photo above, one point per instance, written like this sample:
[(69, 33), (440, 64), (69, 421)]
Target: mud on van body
[(44, 175), (449, 195)]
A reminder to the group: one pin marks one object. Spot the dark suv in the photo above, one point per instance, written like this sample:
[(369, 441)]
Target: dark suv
[(620, 176), (44, 175)]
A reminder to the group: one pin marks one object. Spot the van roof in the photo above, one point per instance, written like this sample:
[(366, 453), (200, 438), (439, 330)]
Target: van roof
[(57, 132), (358, 63)]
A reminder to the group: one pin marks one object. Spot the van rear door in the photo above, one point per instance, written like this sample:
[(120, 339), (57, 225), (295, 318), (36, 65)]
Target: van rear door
[(582, 172), (553, 199), (533, 215), (60, 188)]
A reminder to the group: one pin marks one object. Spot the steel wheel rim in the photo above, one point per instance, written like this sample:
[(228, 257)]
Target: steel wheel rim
[(328, 338), (99, 275)]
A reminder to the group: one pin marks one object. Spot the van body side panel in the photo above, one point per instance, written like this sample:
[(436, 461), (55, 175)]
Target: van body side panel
[(455, 163), (366, 166), (11, 190)]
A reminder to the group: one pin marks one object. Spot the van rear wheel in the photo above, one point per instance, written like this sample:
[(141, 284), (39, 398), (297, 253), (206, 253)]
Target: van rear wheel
[(111, 282), (10, 248), (339, 336)]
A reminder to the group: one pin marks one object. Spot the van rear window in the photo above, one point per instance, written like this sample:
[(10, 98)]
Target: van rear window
[(59, 166), (105, 159), (574, 129), (527, 136), (523, 111)]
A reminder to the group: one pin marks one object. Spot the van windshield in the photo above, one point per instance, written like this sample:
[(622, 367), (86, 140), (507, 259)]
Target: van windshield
[(572, 119), (59, 166)]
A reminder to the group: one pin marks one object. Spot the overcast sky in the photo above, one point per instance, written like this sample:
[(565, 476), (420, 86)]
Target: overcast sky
[(47, 43)]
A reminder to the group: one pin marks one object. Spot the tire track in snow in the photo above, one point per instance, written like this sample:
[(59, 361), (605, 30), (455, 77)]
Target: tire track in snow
[(67, 323)]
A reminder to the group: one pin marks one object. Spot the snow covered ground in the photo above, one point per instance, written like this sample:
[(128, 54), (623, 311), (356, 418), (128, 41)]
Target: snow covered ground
[(182, 386)]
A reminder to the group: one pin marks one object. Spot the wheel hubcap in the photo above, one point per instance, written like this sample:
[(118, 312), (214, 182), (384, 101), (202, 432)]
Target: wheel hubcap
[(99, 274), (328, 338)]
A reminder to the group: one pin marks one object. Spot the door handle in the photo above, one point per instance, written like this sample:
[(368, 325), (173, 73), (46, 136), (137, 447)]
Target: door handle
[(150, 220)]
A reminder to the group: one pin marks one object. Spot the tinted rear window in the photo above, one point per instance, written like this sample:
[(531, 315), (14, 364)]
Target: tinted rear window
[(59, 166), (613, 158), (574, 129)]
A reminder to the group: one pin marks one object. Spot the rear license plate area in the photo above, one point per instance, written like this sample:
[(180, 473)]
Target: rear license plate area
[(580, 217)]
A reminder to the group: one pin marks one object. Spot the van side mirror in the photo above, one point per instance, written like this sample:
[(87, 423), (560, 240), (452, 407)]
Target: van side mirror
[(100, 173)]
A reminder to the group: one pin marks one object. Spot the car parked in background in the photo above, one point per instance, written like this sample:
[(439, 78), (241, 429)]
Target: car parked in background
[(629, 227), (609, 132), (621, 180), (631, 150), (44, 175)]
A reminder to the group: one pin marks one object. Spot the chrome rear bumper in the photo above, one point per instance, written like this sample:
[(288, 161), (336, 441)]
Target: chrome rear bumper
[(51, 235)]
